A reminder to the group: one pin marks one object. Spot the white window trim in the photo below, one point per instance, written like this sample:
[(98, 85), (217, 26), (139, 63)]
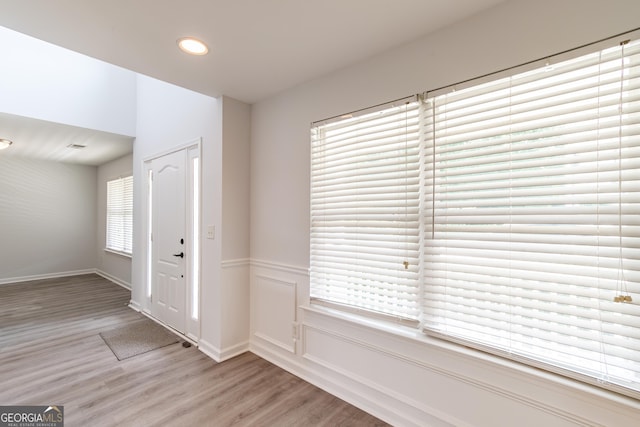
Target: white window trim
[(122, 254), (123, 203)]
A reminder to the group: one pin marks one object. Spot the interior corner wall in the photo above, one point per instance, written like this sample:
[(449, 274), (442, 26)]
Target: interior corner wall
[(236, 138), (400, 377), (47, 219), (115, 266), (169, 117)]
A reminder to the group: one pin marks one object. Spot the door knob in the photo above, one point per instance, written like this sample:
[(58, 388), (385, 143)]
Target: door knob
[(181, 254)]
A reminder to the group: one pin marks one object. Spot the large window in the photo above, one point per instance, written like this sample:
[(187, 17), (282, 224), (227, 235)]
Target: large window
[(364, 211), (120, 214), (527, 191)]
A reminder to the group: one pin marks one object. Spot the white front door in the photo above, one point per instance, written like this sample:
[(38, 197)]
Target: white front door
[(168, 240)]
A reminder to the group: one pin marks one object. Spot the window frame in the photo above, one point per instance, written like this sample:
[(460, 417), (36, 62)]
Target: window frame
[(119, 208)]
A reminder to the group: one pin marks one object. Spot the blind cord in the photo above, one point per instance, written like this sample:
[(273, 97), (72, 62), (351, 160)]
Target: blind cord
[(621, 285)]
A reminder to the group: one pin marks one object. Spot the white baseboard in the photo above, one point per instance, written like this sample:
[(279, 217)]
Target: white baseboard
[(221, 355), (233, 351), (66, 274), (135, 306), (114, 279), (46, 276), (209, 349)]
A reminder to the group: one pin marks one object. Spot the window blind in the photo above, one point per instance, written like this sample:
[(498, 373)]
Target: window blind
[(120, 214), (364, 211), (532, 216)]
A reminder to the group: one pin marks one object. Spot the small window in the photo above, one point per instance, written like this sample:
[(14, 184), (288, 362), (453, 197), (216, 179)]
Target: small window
[(120, 214)]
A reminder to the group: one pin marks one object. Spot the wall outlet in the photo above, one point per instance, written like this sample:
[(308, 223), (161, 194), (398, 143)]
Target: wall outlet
[(211, 232)]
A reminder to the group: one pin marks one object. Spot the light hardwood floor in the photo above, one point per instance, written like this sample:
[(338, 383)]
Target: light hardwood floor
[(51, 353)]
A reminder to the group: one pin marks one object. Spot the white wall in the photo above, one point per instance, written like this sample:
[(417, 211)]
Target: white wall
[(47, 82), (114, 266), (47, 219), (168, 117), (402, 376)]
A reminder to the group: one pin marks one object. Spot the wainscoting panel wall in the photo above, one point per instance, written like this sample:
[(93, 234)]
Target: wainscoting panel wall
[(405, 378), (273, 308)]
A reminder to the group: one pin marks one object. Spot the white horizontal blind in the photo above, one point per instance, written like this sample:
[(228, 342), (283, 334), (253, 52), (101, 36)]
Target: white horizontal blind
[(120, 214), (364, 211), (532, 216)]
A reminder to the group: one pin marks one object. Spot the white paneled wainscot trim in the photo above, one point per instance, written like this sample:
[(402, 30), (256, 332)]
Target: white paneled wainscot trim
[(273, 306), (406, 378), (235, 263)]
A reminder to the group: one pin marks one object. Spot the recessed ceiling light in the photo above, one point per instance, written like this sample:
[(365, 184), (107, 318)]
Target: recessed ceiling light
[(192, 46), (5, 143)]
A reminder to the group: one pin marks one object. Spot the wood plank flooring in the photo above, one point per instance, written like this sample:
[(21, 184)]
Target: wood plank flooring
[(51, 353)]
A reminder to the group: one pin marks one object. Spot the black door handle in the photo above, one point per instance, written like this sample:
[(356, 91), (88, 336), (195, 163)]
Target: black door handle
[(181, 254)]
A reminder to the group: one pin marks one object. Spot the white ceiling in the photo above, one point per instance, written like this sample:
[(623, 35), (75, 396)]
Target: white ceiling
[(39, 139), (257, 48)]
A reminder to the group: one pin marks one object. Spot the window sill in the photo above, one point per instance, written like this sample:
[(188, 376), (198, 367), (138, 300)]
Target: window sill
[(122, 254), (376, 324), (416, 343)]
